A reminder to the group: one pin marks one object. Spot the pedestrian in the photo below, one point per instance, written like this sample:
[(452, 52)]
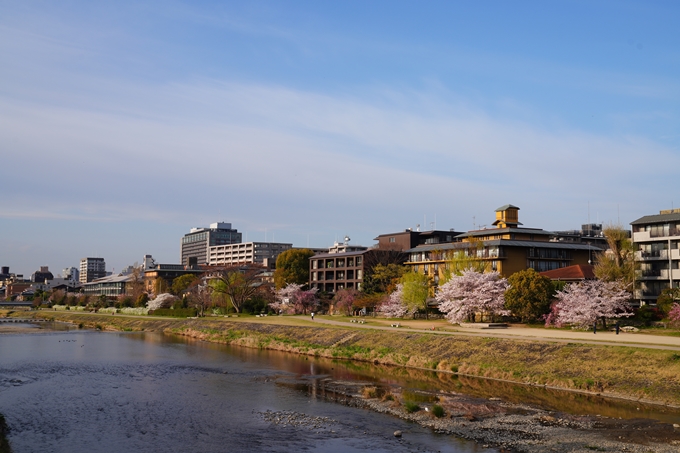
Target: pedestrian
[(312, 316), (618, 326), (595, 327)]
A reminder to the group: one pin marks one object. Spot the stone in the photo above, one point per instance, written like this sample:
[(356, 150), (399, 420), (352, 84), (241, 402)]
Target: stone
[(397, 433)]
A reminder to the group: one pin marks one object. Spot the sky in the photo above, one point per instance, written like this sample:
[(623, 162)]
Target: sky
[(125, 124)]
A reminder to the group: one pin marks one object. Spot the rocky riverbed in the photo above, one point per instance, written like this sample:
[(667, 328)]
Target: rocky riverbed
[(495, 423)]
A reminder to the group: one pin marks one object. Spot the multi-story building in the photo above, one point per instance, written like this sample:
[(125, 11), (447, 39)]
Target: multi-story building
[(71, 273), (264, 253), (92, 269), (655, 241), (42, 275), (194, 245), (111, 286), (330, 272), (507, 248), (408, 239)]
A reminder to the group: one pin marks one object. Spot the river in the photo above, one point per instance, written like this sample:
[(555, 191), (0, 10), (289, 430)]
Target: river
[(88, 391)]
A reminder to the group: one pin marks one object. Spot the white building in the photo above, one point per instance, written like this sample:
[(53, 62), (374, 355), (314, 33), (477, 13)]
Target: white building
[(91, 269), (246, 253), (655, 241)]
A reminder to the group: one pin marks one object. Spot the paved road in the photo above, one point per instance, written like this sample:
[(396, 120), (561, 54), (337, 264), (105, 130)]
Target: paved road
[(556, 335)]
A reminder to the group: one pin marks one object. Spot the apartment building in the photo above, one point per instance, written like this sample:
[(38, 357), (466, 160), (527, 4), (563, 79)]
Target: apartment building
[(655, 242), (194, 245), (331, 272), (264, 253), (92, 269)]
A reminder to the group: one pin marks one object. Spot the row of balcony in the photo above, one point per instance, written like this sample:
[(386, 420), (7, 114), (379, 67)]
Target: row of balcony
[(661, 274), (320, 276), (657, 254), (642, 236)]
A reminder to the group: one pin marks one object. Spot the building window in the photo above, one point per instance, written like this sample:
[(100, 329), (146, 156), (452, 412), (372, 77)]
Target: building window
[(393, 240)]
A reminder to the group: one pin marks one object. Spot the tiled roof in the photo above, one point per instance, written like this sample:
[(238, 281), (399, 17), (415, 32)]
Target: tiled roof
[(675, 217), (575, 272), (504, 207)]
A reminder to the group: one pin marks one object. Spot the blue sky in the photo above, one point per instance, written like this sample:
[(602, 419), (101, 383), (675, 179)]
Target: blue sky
[(124, 124)]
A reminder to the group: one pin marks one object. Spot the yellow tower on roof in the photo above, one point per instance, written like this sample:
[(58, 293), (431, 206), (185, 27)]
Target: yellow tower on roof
[(507, 217)]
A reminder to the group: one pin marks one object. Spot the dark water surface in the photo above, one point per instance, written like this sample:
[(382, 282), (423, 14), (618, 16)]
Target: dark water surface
[(114, 392)]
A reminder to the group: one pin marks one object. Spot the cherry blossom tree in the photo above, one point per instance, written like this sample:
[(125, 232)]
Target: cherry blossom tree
[(589, 301), (472, 293), (344, 300), (394, 305), (674, 314), (164, 300), (292, 299)]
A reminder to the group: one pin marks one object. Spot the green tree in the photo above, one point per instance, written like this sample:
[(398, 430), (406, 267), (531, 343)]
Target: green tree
[(182, 283), (666, 299), (462, 260), (383, 278), (416, 290), (529, 296), (292, 266), (617, 263), (142, 300)]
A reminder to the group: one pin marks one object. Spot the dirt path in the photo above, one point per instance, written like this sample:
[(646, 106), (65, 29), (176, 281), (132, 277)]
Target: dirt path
[(519, 333)]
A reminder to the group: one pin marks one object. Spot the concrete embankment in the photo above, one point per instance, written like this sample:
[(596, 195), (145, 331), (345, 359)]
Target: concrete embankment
[(618, 371)]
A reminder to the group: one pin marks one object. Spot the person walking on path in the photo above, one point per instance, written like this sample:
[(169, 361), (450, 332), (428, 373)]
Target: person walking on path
[(312, 316)]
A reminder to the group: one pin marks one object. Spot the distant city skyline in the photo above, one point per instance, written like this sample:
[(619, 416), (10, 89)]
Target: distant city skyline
[(124, 125)]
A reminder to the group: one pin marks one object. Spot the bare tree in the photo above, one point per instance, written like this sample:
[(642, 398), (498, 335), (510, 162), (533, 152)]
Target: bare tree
[(238, 283), (200, 295)]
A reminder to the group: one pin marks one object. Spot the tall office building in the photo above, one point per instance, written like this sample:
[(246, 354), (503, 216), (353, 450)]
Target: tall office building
[(194, 245), (91, 269)]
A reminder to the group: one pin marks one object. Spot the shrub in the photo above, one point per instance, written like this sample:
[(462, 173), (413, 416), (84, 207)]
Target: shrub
[(369, 392), (134, 311), (437, 411), (411, 407)]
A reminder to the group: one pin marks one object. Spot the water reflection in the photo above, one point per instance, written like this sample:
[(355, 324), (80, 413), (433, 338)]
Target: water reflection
[(416, 381)]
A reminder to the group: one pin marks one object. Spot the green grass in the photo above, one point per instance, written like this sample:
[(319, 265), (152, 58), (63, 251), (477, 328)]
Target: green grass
[(411, 407), (437, 411)]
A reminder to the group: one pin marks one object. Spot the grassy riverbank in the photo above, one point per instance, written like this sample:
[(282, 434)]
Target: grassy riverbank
[(646, 374)]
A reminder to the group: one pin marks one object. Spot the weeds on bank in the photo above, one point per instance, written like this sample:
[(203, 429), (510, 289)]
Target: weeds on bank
[(411, 407), (437, 411)]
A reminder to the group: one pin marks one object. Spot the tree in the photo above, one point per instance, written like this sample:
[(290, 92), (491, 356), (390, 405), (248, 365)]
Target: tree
[(182, 283), (617, 263), (292, 299), (135, 286), (462, 260), (667, 298), (383, 278), (529, 295), (387, 264), (237, 283), (586, 302), (415, 291), (466, 295), (344, 300), (393, 306), (292, 266), (200, 296), (164, 300), (674, 314)]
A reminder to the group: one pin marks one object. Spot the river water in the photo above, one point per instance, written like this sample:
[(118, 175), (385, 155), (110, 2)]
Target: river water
[(86, 391)]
